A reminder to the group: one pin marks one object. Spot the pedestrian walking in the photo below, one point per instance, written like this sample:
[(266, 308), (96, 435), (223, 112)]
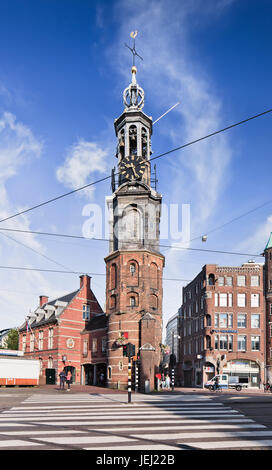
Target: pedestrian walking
[(69, 380), (163, 382), (102, 378), (216, 385), (62, 377), (167, 382)]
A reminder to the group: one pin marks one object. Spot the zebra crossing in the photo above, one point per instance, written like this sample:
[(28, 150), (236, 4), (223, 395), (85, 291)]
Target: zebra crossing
[(108, 422)]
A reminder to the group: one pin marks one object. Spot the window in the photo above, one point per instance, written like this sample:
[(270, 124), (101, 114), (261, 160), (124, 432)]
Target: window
[(216, 342), (50, 338), (50, 362), (216, 316), (224, 342), (40, 340), (255, 320), (85, 347), (86, 312), (24, 343), (241, 320), (94, 345), (230, 343), (109, 372), (32, 340), (221, 281), (241, 342), (223, 320), (113, 301), (132, 268), (241, 300), (255, 300), (229, 281), (255, 281), (255, 343), (132, 301), (230, 320), (104, 344), (223, 300), (230, 300), (241, 281)]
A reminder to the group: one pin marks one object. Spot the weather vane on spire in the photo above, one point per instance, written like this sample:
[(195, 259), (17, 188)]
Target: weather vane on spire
[(133, 35)]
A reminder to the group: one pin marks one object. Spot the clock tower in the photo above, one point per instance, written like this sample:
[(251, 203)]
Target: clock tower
[(134, 266)]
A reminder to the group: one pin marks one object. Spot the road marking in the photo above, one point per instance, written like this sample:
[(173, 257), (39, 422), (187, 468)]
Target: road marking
[(17, 443), (202, 435), (85, 440), (137, 447), (40, 433), (181, 427), (228, 444), (112, 409)]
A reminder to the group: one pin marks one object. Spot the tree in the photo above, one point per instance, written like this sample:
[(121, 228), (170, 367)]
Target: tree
[(13, 339)]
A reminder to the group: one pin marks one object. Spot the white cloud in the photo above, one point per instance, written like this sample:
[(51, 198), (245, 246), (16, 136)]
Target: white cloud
[(82, 161)]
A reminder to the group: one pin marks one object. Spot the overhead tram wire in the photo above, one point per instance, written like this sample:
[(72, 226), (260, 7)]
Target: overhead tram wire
[(151, 159), (81, 237), (26, 268)]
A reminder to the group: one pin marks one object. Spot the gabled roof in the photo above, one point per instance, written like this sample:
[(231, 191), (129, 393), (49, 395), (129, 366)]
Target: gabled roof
[(269, 243), (64, 298), (98, 322), (53, 317)]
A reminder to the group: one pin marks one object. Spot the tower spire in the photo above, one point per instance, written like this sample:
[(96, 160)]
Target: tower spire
[(133, 96)]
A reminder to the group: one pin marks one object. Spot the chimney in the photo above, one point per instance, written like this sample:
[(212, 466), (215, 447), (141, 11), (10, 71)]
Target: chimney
[(85, 281), (43, 300)]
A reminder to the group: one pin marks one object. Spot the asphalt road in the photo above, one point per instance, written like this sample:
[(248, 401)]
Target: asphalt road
[(98, 419)]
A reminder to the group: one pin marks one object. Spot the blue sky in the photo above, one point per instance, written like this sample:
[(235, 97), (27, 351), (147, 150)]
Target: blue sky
[(63, 71)]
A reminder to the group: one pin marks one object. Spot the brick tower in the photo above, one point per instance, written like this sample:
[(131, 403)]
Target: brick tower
[(268, 301), (134, 265)]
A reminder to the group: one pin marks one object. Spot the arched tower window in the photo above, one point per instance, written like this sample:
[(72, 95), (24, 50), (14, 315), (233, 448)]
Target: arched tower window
[(133, 225), (133, 276), (154, 276), (133, 140), (153, 302), (122, 144), (144, 140), (113, 276)]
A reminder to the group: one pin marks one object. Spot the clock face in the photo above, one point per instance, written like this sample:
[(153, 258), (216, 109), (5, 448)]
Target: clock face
[(132, 167)]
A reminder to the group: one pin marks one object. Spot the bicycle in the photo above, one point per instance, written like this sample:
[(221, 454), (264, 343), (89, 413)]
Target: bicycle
[(267, 388)]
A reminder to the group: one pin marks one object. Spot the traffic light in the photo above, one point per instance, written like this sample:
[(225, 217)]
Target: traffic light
[(129, 350), (125, 350)]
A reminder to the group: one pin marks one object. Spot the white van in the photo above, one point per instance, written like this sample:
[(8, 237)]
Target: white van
[(225, 381)]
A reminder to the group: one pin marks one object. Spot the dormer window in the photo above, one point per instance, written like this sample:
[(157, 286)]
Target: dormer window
[(86, 312)]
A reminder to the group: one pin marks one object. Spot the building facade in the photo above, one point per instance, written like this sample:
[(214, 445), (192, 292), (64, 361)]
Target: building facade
[(58, 334), (268, 299), (134, 265), (222, 325)]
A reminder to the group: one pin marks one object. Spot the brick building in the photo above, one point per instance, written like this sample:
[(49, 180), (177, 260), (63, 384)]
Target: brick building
[(268, 298), (222, 325), (62, 333)]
